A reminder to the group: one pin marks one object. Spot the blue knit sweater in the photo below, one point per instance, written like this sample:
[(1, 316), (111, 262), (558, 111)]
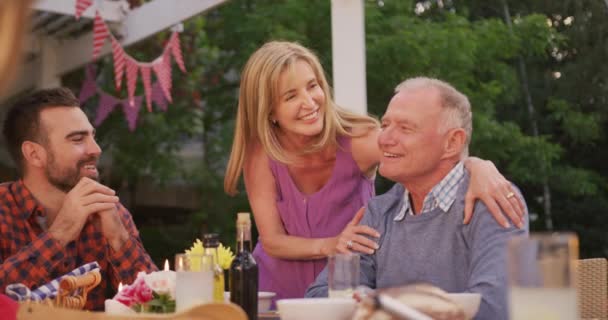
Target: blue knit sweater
[(437, 248)]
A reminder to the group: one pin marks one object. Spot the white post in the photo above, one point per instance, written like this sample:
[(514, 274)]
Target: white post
[(49, 75), (348, 54)]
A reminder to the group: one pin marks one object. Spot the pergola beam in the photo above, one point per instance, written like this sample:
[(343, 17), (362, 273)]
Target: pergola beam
[(113, 11)]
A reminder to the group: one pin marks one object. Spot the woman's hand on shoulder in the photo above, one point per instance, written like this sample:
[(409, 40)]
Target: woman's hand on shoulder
[(353, 236)]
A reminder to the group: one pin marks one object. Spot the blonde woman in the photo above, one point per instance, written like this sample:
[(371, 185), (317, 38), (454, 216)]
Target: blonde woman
[(309, 168)]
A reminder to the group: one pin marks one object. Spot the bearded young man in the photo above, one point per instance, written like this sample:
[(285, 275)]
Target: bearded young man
[(57, 217)]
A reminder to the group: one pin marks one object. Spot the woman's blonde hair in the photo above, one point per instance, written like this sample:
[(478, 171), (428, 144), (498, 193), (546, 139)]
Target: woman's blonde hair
[(258, 94)]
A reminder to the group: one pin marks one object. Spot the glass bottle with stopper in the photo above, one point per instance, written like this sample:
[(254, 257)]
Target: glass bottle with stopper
[(244, 270)]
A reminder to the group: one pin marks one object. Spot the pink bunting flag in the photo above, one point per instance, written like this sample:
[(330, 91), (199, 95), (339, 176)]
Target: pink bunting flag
[(106, 106), (132, 68), (176, 50), (89, 87), (81, 6), (132, 111), (162, 68), (168, 74), (119, 62), (100, 33), (145, 76), (89, 72), (158, 96)]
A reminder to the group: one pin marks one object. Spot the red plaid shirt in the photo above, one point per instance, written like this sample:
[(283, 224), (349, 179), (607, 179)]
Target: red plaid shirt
[(30, 256)]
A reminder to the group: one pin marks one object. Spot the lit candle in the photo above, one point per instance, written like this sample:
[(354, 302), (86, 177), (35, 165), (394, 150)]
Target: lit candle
[(180, 265), (119, 286), (166, 265)]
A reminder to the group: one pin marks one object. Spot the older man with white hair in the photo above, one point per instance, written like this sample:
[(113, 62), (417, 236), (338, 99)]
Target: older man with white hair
[(426, 131)]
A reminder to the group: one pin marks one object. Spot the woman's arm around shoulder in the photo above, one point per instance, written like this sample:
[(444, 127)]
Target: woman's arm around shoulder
[(497, 193), (365, 150)]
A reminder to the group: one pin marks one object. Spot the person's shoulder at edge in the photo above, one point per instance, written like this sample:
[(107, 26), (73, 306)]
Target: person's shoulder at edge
[(5, 191)]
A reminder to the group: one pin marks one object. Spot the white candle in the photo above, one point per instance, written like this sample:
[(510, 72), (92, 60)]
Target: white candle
[(119, 286), (166, 265), (115, 307)]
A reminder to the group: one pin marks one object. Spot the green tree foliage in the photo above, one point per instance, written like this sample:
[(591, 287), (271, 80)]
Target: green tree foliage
[(568, 88)]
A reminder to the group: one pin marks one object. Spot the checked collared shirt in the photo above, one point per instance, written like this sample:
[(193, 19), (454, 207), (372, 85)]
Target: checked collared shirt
[(442, 195), (30, 256)]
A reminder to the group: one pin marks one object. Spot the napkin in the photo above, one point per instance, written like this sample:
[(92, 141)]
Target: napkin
[(20, 292)]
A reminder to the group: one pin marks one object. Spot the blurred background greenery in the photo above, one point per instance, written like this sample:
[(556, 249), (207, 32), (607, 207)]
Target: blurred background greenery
[(534, 70)]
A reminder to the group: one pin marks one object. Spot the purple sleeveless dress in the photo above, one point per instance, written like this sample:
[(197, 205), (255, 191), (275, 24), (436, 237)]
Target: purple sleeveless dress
[(322, 214)]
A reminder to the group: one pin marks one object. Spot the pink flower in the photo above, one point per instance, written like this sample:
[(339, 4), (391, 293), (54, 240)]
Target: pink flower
[(137, 293), (126, 296), (143, 293)]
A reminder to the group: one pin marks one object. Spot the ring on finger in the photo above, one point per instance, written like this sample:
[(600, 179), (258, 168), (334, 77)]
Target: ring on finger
[(510, 195), (349, 244)]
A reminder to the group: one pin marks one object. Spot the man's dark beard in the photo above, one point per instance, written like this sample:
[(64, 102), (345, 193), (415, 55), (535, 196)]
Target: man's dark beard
[(67, 179)]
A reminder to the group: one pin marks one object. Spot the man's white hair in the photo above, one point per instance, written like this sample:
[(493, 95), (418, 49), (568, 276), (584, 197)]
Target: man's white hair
[(456, 106)]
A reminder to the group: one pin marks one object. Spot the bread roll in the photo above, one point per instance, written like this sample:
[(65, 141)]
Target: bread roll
[(427, 299)]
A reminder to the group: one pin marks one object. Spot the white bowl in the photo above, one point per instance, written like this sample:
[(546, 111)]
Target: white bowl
[(316, 308), (468, 301), (264, 299)]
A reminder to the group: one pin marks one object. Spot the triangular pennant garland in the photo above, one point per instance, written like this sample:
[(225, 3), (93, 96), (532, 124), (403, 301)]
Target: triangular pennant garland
[(131, 78), (145, 76), (163, 74), (131, 110), (158, 92), (158, 97), (107, 102), (177, 51), (119, 62), (89, 87), (81, 6), (105, 107), (100, 33)]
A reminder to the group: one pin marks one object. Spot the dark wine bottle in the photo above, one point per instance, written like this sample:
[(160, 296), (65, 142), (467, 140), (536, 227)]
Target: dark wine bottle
[(244, 270)]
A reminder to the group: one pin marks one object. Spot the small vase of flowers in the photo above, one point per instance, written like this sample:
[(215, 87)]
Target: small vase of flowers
[(149, 293)]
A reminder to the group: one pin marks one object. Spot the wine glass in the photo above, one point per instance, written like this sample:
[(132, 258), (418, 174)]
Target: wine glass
[(194, 280), (542, 276), (343, 275)]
